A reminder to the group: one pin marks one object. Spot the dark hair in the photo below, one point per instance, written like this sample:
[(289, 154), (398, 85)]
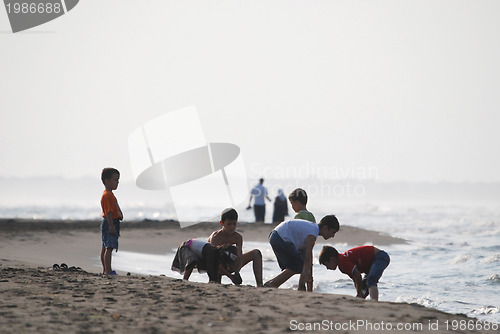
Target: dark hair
[(330, 221), (229, 213), (327, 253), (108, 173), (298, 194), (261, 180)]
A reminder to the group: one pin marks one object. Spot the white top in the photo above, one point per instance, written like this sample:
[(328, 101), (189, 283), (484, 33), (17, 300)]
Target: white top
[(259, 192), (296, 231), (196, 246)]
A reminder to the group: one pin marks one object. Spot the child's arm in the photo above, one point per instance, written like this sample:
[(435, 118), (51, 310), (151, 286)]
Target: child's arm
[(109, 218), (210, 238), (239, 246), (306, 275), (236, 279), (187, 274), (358, 282)]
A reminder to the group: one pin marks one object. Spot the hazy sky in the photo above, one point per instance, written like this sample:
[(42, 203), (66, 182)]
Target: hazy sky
[(408, 88)]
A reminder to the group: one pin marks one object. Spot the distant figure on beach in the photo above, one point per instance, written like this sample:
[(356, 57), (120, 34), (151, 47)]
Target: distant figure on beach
[(195, 253), (364, 259), (280, 207), (112, 215), (292, 242), (228, 235), (259, 193), (298, 200)]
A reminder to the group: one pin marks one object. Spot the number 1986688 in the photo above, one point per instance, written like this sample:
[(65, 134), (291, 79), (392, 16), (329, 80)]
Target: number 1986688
[(33, 8)]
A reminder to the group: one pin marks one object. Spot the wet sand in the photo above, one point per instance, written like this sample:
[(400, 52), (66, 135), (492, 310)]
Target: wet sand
[(37, 299)]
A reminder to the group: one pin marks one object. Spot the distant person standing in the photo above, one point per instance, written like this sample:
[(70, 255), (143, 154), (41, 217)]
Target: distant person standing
[(259, 193), (280, 207)]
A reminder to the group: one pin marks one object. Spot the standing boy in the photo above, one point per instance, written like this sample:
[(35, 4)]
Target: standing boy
[(112, 215), (228, 235), (298, 200), (292, 242), (365, 259)]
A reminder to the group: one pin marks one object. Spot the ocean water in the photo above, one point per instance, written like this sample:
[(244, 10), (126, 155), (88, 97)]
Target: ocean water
[(451, 261)]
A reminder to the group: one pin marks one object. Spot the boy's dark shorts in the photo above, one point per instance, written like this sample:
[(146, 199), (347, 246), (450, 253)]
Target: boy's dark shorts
[(108, 240), (380, 262), (288, 256)]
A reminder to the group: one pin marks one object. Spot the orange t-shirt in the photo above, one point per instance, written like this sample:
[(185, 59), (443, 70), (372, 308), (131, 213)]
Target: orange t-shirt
[(109, 203)]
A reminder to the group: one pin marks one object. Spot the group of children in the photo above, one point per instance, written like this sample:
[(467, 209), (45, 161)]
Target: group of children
[(292, 242)]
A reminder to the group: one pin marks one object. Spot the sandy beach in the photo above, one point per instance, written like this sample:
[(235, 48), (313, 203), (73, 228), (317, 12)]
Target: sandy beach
[(77, 243), (36, 298)]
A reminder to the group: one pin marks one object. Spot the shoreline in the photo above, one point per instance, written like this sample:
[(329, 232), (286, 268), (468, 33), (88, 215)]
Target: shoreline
[(76, 243), (37, 300), (253, 230)]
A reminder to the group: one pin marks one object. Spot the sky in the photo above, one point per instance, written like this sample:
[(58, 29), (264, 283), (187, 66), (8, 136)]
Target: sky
[(395, 90)]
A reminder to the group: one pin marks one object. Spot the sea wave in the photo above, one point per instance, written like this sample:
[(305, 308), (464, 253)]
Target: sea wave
[(491, 259), (486, 310), (462, 258), (424, 301), (494, 278)]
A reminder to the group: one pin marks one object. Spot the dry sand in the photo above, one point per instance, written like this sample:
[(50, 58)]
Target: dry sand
[(41, 300)]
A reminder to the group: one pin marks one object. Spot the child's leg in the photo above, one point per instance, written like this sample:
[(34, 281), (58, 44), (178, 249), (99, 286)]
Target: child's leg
[(256, 256), (187, 274), (289, 259), (107, 260), (280, 279), (380, 262), (109, 242), (103, 251), (211, 257), (373, 290)]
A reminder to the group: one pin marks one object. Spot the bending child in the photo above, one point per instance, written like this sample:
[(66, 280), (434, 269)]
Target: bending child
[(365, 259), (228, 235), (292, 242), (207, 258)]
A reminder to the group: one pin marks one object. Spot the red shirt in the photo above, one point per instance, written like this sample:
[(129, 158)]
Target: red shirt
[(359, 257), (110, 204)]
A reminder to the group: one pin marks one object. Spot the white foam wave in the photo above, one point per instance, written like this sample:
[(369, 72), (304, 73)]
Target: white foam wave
[(495, 278), (424, 301), (491, 259), (461, 258), (486, 310)]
